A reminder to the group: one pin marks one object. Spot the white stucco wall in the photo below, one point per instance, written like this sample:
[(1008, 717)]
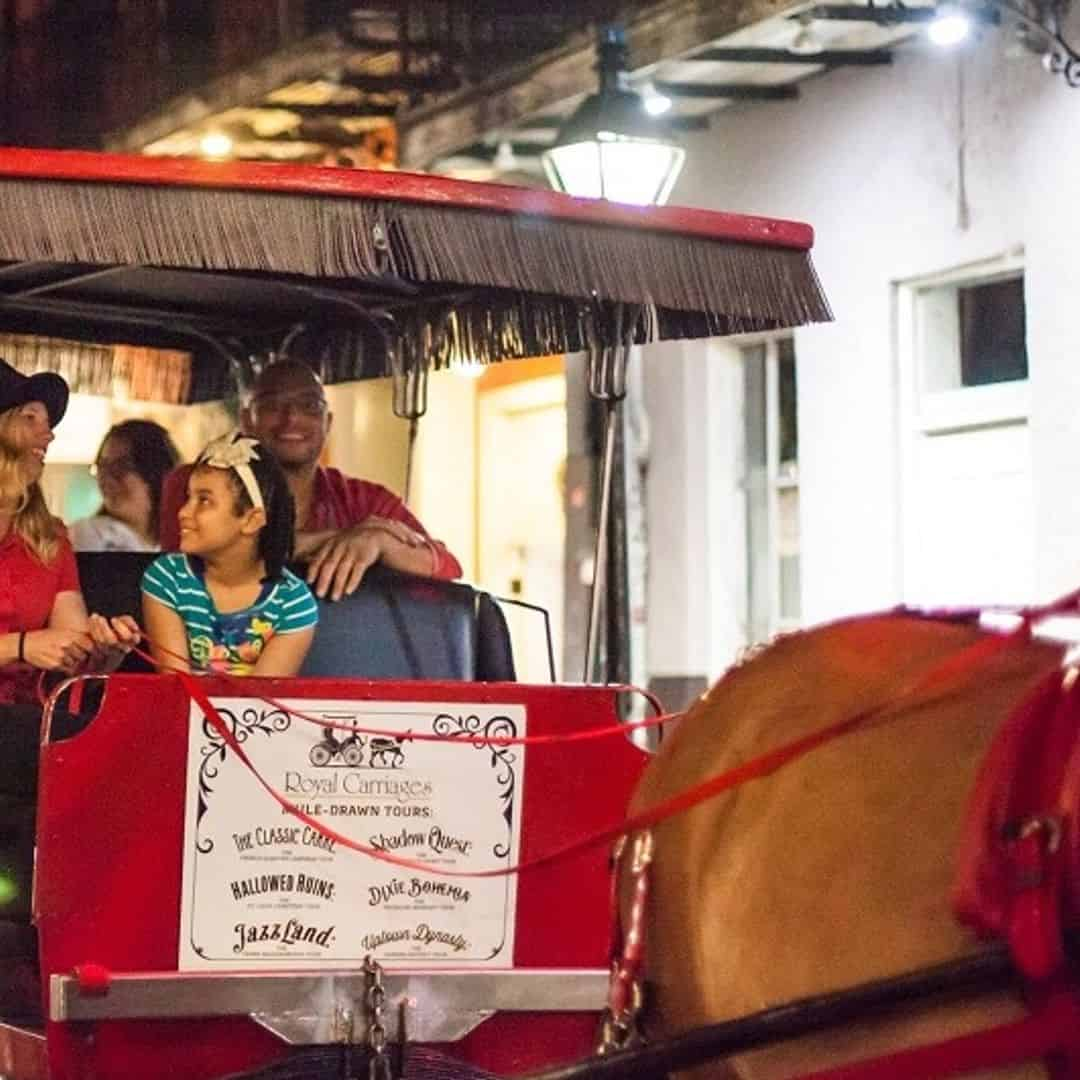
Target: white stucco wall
[(870, 158), (697, 573), (678, 575)]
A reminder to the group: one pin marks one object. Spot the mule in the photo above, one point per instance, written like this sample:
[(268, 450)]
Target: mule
[(837, 869)]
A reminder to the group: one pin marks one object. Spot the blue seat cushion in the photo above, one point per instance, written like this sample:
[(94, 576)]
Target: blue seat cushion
[(393, 627)]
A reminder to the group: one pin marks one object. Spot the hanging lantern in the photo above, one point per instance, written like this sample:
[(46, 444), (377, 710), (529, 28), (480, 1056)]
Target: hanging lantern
[(611, 147)]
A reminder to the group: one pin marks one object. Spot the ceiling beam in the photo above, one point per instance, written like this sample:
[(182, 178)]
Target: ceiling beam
[(679, 123), (337, 110), (882, 14), (487, 152), (659, 32), (436, 82), (320, 137), (310, 58), (730, 91), (828, 57), (447, 49)]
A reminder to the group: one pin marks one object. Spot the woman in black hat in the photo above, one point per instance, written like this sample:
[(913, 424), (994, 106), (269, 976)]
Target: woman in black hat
[(43, 621)]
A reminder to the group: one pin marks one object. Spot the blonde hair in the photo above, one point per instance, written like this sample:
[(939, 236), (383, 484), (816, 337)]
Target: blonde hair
[(31, 519)]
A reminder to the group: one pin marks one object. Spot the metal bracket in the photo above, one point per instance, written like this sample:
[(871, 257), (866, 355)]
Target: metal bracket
[(306, 1008)]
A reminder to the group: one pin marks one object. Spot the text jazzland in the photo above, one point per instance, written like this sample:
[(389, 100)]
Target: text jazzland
[(286, 933)]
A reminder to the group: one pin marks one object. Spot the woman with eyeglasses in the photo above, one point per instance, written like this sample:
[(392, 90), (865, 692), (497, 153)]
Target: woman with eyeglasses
[(131, 466)]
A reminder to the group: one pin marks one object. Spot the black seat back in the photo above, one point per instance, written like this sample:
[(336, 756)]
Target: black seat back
[(393, 627), (111, 586)]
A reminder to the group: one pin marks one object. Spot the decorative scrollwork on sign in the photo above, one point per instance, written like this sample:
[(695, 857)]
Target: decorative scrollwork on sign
[(503, 757), (242, 725)]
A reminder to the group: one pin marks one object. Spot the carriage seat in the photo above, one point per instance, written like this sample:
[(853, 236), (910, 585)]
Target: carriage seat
[(393, 627)]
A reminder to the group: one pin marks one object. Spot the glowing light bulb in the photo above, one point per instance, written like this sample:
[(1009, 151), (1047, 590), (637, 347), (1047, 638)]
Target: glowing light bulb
[(215, 144), (950, 26), (656, 104)]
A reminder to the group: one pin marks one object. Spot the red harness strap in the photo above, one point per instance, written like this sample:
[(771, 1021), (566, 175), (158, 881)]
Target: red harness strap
[(619, 1028), (1016, 863)]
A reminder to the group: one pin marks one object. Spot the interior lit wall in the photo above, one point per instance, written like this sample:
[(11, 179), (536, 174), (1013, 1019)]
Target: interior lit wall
[(368, 440), (444, 472)]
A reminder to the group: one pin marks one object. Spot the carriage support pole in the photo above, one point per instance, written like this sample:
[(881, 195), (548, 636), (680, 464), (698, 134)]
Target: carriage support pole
[(606, 374), (410, 403)]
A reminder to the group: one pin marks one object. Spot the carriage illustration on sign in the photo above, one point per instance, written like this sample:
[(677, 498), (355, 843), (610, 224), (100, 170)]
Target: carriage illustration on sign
[(383, 751), (331, 750)]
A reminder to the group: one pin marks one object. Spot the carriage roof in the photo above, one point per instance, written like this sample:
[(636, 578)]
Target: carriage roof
[(391, 268)]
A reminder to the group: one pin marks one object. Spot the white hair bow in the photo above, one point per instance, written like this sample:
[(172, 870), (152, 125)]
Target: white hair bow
[(235, 451)]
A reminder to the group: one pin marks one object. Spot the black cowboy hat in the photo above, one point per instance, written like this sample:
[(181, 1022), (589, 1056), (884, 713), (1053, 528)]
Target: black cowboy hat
[(19, 389)]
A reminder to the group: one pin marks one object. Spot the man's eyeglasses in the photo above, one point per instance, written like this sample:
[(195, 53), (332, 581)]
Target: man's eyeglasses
[(116, 468), (279, 404)]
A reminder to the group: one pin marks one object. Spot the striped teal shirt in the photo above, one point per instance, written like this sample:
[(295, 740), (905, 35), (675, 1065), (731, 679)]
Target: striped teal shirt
[(230, 642)]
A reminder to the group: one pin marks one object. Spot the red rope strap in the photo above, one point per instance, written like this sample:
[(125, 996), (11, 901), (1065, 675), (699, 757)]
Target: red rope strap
[(621, 729), (933, 685)]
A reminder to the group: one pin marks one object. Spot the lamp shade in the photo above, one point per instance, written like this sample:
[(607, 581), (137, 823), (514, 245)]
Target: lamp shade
[(612, 166), (611, 148)]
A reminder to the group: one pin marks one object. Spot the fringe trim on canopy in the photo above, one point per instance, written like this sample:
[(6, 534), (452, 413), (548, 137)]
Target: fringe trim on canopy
[(105, 224), (117, 371), (491, 286)]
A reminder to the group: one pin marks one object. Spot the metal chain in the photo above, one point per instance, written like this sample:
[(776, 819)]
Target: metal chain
[(374, 1000)]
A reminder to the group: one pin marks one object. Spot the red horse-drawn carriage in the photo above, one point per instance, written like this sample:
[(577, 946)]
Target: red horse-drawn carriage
[(400, 860), (199, 908)]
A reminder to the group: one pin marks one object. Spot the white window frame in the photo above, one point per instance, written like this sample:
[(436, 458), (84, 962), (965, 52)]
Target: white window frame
[(932, 411), (777, 479)]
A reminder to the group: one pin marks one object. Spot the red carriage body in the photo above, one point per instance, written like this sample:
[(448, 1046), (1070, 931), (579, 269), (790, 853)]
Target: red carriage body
[(103, 823)]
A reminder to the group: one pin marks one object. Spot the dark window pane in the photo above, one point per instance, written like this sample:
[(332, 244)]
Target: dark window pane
[(789, 420), (993, 337)]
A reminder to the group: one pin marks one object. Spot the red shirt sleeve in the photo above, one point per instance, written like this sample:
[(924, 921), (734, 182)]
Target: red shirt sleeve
[(173, 496), (382, 502)]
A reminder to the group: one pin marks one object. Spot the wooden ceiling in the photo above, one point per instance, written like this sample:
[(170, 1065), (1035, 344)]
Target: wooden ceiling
[(472, 87)]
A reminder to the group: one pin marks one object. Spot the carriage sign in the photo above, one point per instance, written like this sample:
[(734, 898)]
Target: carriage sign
[(263, 889)]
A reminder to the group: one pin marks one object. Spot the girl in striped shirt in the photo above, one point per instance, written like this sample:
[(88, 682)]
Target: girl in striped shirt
[(226, 600)]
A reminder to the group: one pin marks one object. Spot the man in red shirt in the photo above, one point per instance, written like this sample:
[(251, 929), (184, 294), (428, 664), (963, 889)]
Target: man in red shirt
[(344, 525)]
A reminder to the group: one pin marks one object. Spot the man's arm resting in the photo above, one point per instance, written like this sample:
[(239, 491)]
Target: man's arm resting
[(307, 543), (339, 562)]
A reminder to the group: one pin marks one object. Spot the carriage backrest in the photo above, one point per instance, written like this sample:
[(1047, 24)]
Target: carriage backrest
[(393, 627)]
